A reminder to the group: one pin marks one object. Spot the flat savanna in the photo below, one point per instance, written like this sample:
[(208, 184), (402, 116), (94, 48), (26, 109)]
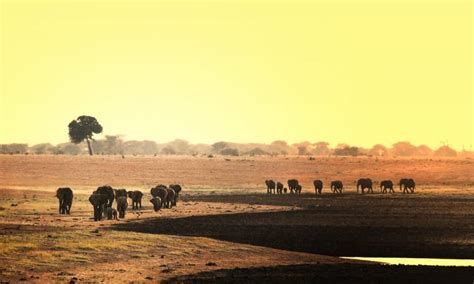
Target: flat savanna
[(224, 219)]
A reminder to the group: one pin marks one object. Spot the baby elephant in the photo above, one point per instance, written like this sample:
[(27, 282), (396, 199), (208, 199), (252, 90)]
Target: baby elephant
[(65, 195), (122, 205), (111, 213), (156, 201), (160, 191)]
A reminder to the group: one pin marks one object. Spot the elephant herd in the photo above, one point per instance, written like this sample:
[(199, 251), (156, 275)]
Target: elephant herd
[(386, 186), (293, 186), (103, 197)]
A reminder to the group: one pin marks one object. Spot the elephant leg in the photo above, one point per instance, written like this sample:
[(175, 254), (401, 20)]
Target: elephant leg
[(101, 213)]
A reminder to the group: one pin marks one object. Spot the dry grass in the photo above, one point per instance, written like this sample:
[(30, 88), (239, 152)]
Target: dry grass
[(85, 173)]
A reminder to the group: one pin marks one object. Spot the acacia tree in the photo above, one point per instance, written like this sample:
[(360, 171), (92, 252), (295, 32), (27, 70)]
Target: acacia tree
[(82, 129)]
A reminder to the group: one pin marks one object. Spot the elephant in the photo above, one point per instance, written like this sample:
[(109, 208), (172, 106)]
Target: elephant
[(111, 213), (386, 184), (120, 192), (318, 186), (108, 191), (365, 183), (122, 205), (157, 204), (177, 189), (65, 196), (298, 189), (270, 186), (136, 197), (170, 198), (337, 186), (99, 203), (279, 187), (292, 184), (408, 185), (160, 191)]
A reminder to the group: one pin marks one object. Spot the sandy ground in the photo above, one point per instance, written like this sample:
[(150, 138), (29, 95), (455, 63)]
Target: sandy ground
[(224, 220), (84, 172), (40, 245)]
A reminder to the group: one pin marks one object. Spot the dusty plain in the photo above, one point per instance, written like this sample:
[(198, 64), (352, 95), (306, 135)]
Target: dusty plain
[(226, 228)]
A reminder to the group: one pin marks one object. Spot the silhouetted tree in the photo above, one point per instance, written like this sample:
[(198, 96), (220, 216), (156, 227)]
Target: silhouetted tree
[(82, 129)]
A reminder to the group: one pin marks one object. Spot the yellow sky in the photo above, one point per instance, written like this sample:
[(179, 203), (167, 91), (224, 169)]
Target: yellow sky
[(360, 72)]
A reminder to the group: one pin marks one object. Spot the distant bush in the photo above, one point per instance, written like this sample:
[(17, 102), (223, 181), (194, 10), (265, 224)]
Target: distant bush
[(219, 146), (347, 151), (230, 152), (168, 151), (445, 151), (14, 148), (256, 152)]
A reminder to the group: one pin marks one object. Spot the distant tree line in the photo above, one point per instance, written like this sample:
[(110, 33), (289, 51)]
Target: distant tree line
[(116, 145)]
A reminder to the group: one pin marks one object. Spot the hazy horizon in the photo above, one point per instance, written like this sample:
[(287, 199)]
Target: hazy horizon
[(247, 144), (361, 73), (331, 144)]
